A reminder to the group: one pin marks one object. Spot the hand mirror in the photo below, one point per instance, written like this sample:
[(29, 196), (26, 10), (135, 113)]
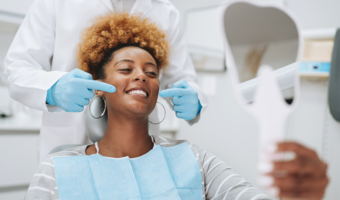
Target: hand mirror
[(262, 46)]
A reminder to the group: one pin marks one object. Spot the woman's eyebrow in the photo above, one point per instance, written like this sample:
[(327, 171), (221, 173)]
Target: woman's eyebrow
[(150, 63), (131, 61), (124, 60)]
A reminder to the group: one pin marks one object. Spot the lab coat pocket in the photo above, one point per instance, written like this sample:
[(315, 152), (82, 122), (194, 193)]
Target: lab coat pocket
[(51, 137)]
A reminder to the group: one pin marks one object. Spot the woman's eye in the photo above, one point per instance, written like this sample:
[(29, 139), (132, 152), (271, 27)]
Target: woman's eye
[(126, 70), (153, 73)]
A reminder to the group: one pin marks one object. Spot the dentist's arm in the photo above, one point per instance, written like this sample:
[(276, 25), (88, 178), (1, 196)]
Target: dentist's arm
[(28, 60)]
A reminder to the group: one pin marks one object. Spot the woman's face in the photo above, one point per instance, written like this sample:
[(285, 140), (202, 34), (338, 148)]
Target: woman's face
[(134, 73)]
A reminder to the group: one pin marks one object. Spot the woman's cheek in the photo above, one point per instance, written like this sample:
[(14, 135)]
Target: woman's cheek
[(155, 87)]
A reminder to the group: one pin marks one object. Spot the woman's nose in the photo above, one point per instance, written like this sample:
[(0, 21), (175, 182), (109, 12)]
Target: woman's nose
[(140, 76)]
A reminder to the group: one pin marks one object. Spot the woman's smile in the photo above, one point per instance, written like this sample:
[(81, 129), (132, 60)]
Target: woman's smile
[(139, 92)]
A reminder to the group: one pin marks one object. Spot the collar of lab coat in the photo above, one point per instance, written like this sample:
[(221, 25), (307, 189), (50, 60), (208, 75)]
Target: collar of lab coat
[(141, 6)]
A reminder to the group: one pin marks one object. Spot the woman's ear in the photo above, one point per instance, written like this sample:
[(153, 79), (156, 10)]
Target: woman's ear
[(99, 93)]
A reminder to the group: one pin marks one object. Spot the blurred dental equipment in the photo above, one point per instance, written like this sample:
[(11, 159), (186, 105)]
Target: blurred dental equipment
[(5, 102), (284, 76), (334, 80)]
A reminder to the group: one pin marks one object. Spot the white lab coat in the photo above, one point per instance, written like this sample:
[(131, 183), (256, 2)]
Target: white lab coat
[(44, 49)]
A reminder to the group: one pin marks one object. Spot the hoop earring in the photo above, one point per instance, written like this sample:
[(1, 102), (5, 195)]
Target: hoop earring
[(103, 110), (163, 117)]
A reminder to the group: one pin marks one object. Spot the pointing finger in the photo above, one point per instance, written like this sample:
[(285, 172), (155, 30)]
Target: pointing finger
[(97, 85), (173, 92)]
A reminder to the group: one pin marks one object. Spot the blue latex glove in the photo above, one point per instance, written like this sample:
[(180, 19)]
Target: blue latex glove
[(185, 100), (74, 90)]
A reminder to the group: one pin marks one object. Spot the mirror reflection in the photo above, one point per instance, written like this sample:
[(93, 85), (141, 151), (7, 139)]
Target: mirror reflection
[(261, 36)]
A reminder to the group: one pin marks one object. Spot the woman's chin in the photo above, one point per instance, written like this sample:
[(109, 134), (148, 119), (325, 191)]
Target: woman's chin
[(139, 110), (131, 107)]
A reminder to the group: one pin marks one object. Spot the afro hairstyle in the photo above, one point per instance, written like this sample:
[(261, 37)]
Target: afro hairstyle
[(115, 31)]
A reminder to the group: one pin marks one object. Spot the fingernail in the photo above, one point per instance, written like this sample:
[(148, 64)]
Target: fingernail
[(266, 181), (283, 156), (112, 89), (290, 156), (273, 192), (277, 157), (265, 168), (280, 174)]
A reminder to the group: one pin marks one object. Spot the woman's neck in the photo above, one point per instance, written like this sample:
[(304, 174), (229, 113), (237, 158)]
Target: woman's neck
[(125, 136)]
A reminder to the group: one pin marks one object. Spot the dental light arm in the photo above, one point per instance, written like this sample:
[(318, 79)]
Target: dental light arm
[(285, 77)]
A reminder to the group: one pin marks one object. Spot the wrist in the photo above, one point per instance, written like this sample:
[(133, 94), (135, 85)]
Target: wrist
[(199, 107)]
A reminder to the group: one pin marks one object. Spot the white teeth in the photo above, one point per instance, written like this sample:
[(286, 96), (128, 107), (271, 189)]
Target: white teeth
[(132, 92)]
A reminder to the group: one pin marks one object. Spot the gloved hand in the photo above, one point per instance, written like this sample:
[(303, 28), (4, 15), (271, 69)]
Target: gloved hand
[(74, 90), (185, 100)]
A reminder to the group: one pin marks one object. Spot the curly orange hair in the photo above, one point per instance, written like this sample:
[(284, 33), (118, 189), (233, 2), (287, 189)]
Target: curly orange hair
[(114, 31)]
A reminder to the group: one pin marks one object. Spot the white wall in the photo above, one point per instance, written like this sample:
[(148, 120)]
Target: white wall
[(19, 7), (314, 14), (7, 33)]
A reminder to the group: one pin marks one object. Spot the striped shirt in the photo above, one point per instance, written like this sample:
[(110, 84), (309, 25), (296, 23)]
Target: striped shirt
[(220, 182)]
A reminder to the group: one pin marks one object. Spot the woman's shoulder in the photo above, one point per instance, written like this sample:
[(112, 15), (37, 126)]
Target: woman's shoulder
[(73, 151), (43, 184), (48, 161), (203, 157), (167, 142)]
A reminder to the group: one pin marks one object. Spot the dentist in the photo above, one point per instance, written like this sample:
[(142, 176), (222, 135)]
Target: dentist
[(41, 68)]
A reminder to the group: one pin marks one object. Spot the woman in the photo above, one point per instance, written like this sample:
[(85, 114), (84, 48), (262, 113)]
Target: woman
[(128, 163)]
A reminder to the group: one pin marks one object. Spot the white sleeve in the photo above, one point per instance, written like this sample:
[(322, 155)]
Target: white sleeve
[(28, 61), (43, 184), (181, 66)]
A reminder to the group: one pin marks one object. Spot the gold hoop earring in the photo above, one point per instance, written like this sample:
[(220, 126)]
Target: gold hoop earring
[(103, 110), (163, 117)]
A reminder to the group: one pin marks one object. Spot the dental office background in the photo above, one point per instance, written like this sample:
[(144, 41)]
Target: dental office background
[(225, 129)]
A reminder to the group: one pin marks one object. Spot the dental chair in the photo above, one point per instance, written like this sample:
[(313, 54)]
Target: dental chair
[(95, 128)]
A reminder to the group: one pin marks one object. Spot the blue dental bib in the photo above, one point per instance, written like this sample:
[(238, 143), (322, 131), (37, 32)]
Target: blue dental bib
[(170, 173)]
